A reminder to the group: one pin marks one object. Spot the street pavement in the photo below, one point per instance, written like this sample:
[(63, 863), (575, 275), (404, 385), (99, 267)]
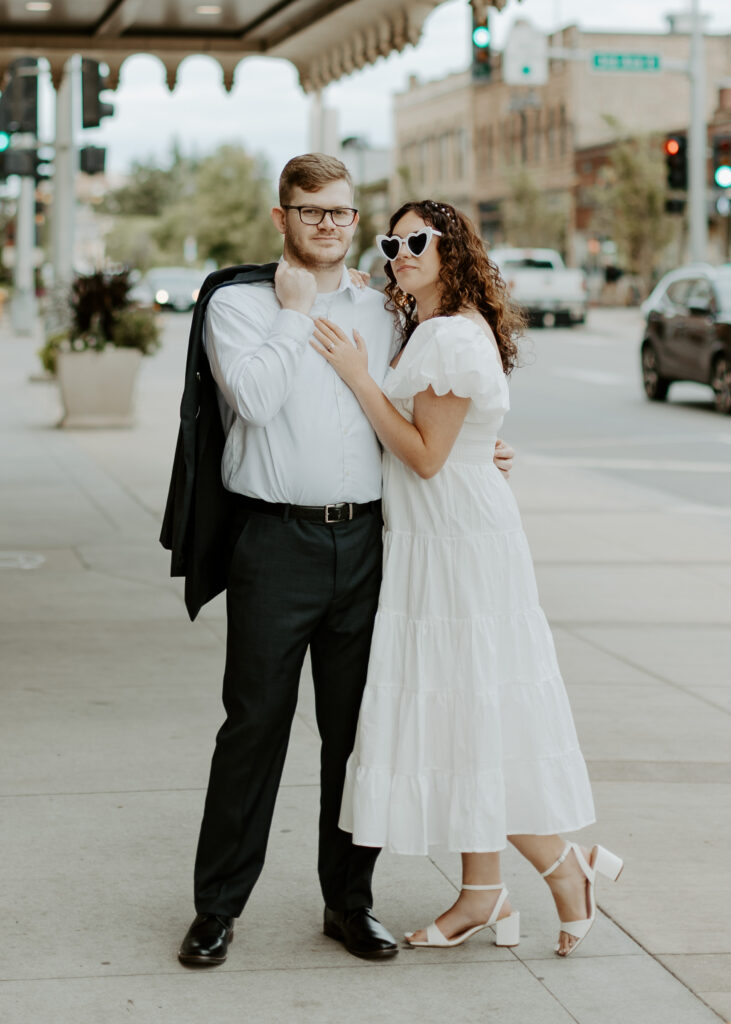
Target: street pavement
[(110, 704)]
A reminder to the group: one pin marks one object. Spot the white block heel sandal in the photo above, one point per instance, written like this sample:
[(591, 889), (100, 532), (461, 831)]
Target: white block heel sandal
[(601, 862), (507, 929)]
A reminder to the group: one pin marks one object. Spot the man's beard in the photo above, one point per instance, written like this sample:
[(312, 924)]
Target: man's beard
[(309, 260)]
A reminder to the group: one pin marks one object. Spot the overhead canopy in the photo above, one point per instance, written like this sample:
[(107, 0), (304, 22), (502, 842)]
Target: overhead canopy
[(324, 39)]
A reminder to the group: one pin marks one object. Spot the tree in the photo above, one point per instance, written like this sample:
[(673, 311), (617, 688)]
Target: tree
[(223, 201), (233, 199), (529, 218), (631, 205)]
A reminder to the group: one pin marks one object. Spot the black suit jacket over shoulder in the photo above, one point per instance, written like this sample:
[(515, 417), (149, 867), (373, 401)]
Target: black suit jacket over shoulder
[(198, 522)]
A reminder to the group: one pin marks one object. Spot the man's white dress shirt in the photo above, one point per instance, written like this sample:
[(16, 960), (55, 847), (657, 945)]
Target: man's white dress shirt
[(295, 432)]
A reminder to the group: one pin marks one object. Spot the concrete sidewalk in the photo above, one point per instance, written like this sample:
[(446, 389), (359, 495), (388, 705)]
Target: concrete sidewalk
[(110, 704)]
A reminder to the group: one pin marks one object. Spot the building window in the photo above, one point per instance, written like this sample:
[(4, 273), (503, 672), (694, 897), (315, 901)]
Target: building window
[(423, 172), (537, 128), (523, 122), (563, 131), (551, 133), (444, 169), (490, 151), (459, 154)]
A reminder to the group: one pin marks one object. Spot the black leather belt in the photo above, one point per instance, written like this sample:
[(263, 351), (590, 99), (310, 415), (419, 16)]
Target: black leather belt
[(340, 512)]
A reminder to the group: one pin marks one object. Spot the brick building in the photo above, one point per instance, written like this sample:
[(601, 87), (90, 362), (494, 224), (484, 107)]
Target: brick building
[(467, 141)]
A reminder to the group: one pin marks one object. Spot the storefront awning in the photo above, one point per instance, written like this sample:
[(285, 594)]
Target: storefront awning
[(324, 39)]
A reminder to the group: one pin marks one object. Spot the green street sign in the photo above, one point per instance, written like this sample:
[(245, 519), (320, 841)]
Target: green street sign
[(626, 62)]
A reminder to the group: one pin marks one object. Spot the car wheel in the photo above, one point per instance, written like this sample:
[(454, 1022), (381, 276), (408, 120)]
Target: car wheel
[(721, 384), (656, 387)]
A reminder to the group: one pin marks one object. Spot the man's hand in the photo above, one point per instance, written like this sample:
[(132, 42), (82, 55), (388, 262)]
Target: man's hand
[(295, 288), (503, 457)]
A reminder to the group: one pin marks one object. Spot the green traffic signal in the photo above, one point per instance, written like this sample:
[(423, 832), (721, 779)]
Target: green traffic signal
[(481, 36), (722, 176), (4, 141)]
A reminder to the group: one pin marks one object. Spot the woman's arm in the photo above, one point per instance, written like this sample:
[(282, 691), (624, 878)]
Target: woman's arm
[(422, 445)]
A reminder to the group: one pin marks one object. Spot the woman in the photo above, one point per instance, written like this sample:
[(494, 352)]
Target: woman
[(465, 735)]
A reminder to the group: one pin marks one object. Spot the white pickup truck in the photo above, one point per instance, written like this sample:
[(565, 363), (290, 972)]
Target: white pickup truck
[(541, 284)]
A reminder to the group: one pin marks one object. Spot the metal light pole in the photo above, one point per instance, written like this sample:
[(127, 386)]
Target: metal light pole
[(62, 222), (23, 306), (697, 141)]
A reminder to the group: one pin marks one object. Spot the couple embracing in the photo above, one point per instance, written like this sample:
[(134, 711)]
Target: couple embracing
[(442, 714)]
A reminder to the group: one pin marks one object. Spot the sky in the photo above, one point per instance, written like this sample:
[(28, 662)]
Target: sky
[(268, 113)]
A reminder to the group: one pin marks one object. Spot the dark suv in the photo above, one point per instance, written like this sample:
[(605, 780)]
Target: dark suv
[(688, 333)]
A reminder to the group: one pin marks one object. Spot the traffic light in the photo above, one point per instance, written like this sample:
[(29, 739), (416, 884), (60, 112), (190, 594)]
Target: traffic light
[(26, 163), (676, 161), (92, 159), (4, 123), (481, 56), (722, 161), (93, 108), (20, 97)]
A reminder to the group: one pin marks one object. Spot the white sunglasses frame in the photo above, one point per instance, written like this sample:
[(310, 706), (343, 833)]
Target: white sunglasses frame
[(428, 230)]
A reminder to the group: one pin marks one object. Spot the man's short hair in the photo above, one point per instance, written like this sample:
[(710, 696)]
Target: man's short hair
[(311, 172)]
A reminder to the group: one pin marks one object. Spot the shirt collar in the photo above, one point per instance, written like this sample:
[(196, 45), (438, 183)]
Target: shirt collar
[(346, 284)]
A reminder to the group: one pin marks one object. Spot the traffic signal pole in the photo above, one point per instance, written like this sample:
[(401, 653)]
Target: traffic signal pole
[(697, 142), (23, 306), (62, 214)]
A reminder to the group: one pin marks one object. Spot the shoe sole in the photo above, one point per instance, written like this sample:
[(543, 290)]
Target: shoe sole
[(188, 960), (376, 954)]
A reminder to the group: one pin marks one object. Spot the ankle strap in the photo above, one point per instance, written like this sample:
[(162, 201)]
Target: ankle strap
[(561, 859), (477, 888)]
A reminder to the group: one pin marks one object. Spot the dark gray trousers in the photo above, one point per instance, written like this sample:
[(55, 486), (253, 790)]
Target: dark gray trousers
[(291, 584)]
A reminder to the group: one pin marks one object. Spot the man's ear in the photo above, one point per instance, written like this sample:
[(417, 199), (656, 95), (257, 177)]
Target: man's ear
[(278, 216)]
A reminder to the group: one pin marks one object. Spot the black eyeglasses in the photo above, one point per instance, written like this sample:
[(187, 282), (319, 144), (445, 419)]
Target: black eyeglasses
[(342, 216)]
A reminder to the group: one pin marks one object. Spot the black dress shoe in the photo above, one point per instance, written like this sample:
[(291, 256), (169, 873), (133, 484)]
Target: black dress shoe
[(206, 942), (360, 932)]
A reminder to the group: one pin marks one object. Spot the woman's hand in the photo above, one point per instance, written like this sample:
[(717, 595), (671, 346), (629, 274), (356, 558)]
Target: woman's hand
[(350, 361), (360, 278)]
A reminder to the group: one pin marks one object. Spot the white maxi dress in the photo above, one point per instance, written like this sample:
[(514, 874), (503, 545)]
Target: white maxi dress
[(465, 733)]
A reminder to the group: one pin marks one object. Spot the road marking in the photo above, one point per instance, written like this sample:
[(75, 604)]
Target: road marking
[(701, 510), (591, 340), (596, 377), (623, 442), (653, 465), (20, 560)]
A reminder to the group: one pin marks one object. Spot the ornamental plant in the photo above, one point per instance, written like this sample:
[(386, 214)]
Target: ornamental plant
[(100, 313)]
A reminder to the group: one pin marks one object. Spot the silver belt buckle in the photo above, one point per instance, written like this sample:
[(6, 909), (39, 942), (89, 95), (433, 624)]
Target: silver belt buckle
[(339, 509)]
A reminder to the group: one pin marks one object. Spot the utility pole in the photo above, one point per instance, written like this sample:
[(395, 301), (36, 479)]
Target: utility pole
[(23, 306), (697, 141), (62, 223)]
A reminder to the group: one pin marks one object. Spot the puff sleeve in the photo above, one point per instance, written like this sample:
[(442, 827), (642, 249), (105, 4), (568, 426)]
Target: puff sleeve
[(452, 354)]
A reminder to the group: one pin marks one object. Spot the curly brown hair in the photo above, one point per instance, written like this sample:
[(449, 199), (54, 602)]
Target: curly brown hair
[(468, 279)]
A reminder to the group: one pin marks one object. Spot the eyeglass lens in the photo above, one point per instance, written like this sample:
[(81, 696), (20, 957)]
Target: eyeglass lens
[(341, 217)]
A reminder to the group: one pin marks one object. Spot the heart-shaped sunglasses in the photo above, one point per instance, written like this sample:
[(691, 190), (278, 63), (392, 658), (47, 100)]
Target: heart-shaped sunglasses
[(417, 242)]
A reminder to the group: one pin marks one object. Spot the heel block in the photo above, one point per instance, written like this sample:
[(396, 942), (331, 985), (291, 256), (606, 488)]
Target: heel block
[(608, 863), (507, 930)]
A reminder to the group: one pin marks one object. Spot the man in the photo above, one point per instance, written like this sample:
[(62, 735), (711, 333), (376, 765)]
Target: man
[(305, 466)]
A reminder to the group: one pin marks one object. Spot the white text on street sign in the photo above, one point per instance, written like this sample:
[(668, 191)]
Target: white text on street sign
[(626, 62)]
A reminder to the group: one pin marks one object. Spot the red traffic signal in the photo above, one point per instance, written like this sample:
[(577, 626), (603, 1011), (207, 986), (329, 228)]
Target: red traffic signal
[(676, 161)]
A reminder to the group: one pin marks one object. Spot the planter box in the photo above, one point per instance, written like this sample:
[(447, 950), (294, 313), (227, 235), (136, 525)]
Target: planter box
[(97, 388)]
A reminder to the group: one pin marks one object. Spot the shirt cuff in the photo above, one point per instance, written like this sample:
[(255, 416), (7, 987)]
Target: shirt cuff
[(293, 324)]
